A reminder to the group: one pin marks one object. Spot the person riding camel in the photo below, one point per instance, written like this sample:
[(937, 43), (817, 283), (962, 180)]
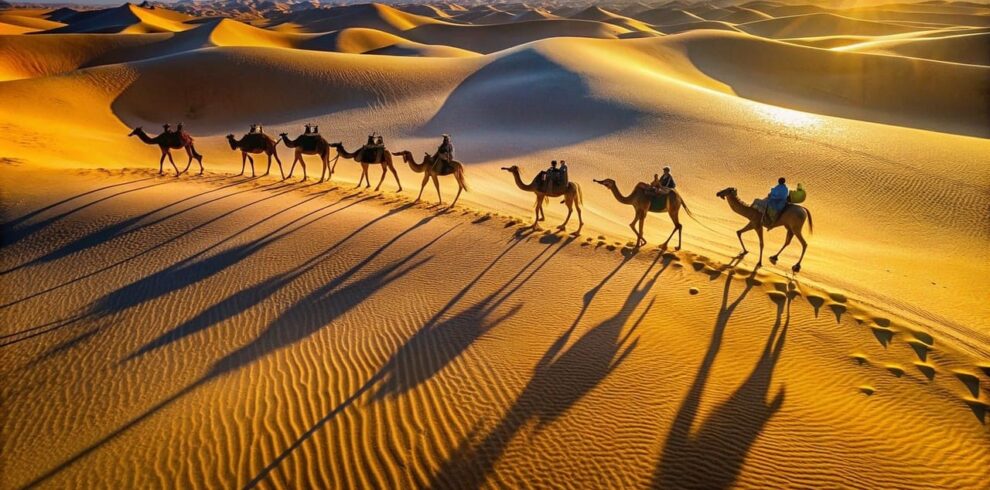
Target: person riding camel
[(444, 154), (548, 177), (309, 129), (777, 199), (562, 174), (316, 129), (380, 141), (167, 128), (254, 129)]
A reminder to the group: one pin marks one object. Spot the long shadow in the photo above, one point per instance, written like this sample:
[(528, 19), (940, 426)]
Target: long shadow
[(13, 235), (281, 190), (328, 303), (20, 219), (713, 456), (187, 272), (561, 378), (129, 225), (423, 345), (240, 301)]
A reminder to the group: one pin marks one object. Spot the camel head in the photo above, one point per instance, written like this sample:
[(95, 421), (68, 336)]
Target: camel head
[(514, 169), (232, 141), (728, 191), (136, 131), (605, 182)]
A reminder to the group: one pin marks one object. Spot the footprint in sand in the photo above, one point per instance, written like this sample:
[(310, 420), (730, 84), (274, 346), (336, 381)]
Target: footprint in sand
[(895, 370), (920, 349), (861, 359), (927, 369), (867, 390), (971, 381), (883, 335)]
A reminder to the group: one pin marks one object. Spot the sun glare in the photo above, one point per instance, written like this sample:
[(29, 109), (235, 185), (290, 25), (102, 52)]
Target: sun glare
[(787, 117)]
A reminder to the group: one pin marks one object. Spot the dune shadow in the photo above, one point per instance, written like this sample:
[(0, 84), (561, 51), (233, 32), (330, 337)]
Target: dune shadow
[(530, 100), (565, 374), (712, 455)]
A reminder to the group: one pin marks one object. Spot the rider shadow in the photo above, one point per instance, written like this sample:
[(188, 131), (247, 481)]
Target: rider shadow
[(525, 89), (732, 427), (561, 378), (129, 225)]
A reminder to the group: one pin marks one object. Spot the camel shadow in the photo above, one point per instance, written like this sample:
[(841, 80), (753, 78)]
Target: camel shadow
[(712, 455), (435, 345), (503, 94), (13, 234), (124, 227), (184, 273), (241, 301), (27, 216), (561, 378), (441, 340), (280, 188), (310, 314)]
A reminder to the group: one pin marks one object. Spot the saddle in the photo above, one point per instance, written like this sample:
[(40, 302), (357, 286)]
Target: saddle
[(658, 202), (372, 154)]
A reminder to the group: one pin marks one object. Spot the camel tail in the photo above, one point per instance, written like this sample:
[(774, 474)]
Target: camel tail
[(459, 175), (811, 225), (580, 195), (688, 211), (279, 140)]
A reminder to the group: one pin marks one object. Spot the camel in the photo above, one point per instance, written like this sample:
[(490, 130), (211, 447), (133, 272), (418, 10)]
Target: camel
[(256, 142), (791, 218), (167, 142), (364, 159), (308, 144), (572, 198), (426, 168), (641, 200)]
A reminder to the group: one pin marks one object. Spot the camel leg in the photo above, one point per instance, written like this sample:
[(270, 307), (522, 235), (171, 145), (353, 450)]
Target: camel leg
[(804, 247), (739, 236), (243, 163), (569, 201), (642, 236), (189, 163), (268, 169), (396, 175), (384, 172), (632, 226), (677, 229), (759, 234), (161, 164), (787, 241), (436, 183), (539, 211), (280, 170), (426, 178), (302, 163), (577, 207), (292, 169), (459, 189), (251, 159), (326, 167), (176, 167)]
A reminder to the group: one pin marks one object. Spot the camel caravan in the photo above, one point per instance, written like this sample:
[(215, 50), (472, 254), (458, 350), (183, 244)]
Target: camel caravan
[(782, 207)]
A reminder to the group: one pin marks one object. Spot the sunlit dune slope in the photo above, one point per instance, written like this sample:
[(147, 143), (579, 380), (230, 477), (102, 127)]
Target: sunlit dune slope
[(373, 16), (813, 25), (50, 54), (599, 14), (127, 18), (959, 48)]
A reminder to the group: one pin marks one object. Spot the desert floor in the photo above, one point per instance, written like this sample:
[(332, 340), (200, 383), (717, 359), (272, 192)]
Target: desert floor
[(223, 330)]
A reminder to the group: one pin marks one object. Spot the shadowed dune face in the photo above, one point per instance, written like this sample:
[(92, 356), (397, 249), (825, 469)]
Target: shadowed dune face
[(222, 331)]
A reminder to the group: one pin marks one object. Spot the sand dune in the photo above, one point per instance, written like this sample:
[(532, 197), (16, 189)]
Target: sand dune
[(961, 48), (667, 16), (17, 22), (813, 25), (127, 19), (227, 331)]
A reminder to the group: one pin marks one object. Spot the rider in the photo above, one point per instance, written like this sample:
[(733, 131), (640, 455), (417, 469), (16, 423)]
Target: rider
[(446, 149), (309, 129), (167, 127), (254, 128), (562, 173), (777, 199)]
